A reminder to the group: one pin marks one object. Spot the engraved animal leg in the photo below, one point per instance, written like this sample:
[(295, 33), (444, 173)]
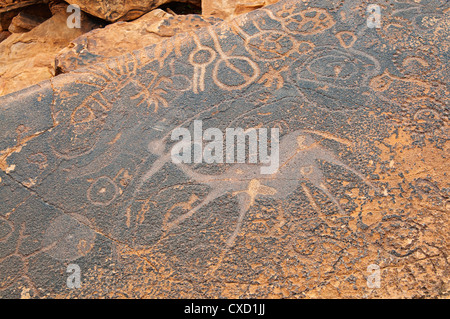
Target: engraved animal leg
[(313, 174), (244, 203), (157, 165), (330, 196), (196, 176), (211, 196)]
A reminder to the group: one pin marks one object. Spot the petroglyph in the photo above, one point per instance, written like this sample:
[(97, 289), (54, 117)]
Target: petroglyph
[(299, 154), (86, 172), (230, 63), (69, 238)]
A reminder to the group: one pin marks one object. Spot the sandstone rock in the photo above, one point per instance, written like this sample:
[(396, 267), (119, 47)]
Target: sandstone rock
[(361, 192), (4, 35), (25, 22), (7, 5), (228, 9), (11, 8), (28, 58), (121, 10), (13, 28), (57, 6), (23, 18), (123, 37)]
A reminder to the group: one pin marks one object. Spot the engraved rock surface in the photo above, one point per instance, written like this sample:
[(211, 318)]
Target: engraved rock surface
[(363, 117), (114, 10), (123, 37)]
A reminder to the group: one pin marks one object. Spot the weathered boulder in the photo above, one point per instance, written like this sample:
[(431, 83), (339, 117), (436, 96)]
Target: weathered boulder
[(33, 13), (228, 9), (123, 37), (7, 5), (25, 22), (28, 58), (114, 10), (356, 207)]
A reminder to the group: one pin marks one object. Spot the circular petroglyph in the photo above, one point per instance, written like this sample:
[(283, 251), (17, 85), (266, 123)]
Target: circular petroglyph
[(270, 45), (78, 131), (70, 142), (415, 62), (335, 68), (335, 73), (303, 246), (428, 21), (82, 114), (69, 237), (426, 115), (103, 191), (310, 21), (400, 239), (235, 72), (39, 159), (202, 56)]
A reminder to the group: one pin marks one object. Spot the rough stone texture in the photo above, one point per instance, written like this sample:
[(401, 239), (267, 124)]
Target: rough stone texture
[(86, 175), (4, 35), (114, 10), (6, 18), (123, 37), (7, 5), (227, 9), (25, 17), (25, 22), (28, 58)]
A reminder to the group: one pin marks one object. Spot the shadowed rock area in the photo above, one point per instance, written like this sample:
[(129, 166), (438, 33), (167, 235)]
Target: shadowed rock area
[(113, 10), (87, 178)]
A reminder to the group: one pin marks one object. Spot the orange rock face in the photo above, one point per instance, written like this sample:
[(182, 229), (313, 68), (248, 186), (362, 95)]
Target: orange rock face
[(228, 9), (122, 37), (358, 207), (29, 57), (25, 22)]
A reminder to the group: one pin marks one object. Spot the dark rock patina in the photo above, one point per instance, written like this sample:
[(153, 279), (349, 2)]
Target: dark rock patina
[(86, 179)]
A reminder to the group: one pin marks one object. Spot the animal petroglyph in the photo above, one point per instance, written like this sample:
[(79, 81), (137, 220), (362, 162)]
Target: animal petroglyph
[(299, 156), (87, 173)]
